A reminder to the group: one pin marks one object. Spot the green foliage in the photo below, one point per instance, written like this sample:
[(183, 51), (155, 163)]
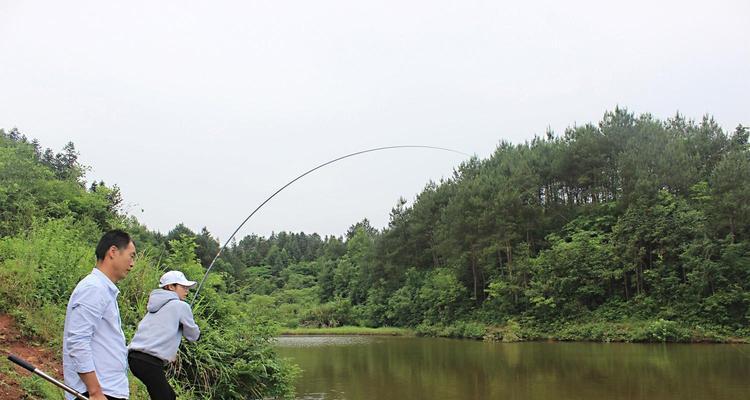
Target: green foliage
[(730, 189), (441, 296), (632, 229), (48, 261), (460, 329), (404, 307), (182, 257), (659, 330), (332, 314), (37, 185), (234, 357), (40, 389), (49, 227), (235, 361), (38, 271), (663, 330), (573, 276), (632, 218), (511, 331)]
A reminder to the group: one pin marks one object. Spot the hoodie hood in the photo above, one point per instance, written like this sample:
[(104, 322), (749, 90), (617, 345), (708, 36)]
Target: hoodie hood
[(160, 297)]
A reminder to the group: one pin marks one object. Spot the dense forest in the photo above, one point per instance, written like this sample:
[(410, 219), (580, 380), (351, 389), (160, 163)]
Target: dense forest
[(632, 229), (629, 229)]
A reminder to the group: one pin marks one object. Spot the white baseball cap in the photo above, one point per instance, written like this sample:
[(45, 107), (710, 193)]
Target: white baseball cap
[(173, 277)]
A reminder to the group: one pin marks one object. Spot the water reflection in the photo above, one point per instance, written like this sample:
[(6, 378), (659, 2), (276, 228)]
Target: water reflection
[(369, 368)]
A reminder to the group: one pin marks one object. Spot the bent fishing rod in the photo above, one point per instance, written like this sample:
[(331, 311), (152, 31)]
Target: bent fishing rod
[(226, 243), (26, 365)]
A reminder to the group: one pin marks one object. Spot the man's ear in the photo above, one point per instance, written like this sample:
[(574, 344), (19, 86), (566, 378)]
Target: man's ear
[(112, 250)]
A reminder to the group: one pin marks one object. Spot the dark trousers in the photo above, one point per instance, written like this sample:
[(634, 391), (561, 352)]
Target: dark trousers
[(86, 394), (150, 370)]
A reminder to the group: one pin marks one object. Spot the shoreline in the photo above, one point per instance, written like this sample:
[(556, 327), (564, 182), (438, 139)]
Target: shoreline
[(347, 331), (492, 335)]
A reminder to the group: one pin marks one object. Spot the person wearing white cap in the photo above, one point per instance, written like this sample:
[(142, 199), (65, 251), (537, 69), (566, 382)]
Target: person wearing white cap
[(159, 333)]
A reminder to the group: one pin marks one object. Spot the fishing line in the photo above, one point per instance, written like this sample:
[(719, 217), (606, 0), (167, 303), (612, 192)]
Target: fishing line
[(226, 243)]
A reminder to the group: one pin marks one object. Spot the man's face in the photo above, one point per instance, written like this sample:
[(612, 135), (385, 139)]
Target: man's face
[(122, 260), (182, 291)]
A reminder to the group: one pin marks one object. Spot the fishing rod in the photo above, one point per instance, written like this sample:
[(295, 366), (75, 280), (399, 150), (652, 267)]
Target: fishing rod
[(26, 365), (226, 243)]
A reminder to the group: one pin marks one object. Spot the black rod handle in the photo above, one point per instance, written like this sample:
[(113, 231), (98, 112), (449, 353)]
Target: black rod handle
[(21, 362)]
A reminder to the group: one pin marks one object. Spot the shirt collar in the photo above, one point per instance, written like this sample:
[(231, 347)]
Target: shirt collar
[(110, 285)]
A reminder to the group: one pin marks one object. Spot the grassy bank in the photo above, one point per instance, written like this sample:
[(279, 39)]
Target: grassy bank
[(639, 331), (648, 331), (349, 330)]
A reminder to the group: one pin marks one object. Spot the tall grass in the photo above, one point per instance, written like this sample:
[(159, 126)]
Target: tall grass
[(234, 358)]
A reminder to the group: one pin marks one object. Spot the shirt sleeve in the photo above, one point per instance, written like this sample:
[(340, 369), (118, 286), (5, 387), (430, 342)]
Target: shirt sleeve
[(189, 328), (85, 313)]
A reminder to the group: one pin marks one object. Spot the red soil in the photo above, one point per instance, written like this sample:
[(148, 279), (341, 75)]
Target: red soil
[(12, 342)]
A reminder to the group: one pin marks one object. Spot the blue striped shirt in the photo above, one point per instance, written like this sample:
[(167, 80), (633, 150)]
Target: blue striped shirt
[(93, 339)]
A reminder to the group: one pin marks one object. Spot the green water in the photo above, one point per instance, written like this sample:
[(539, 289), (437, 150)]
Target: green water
[(388, 368)]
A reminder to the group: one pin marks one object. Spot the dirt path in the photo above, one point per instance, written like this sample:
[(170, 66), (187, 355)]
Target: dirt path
[(12, 342)]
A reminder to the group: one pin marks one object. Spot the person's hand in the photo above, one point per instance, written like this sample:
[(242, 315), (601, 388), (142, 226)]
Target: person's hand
[(92, 385), (97, 396)]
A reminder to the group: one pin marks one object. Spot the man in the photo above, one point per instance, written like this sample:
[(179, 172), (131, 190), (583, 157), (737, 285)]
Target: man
[(95, 359)]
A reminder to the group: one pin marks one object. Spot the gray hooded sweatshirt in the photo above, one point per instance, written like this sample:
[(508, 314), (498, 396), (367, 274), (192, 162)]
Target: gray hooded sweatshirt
[(160, 331)]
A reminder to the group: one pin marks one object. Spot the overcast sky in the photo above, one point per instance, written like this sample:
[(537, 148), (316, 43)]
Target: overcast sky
[(201, 110)]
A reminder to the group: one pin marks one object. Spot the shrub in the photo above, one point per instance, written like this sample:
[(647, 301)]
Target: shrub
[(663, 330)]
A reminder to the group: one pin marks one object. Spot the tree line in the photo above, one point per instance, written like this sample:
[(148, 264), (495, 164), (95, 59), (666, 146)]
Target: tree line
[(632, 218), (633, 228)]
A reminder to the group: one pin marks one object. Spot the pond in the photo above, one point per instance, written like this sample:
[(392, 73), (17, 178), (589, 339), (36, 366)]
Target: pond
[(394, 368)]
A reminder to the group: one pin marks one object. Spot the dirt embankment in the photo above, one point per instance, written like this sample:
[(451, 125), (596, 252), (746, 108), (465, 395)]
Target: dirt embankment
[(12, 342)]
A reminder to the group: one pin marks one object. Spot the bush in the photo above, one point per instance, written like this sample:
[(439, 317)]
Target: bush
[(425, 329), (462, 330), (663, 330), (510, 332), (38, 271), (469, 330), (660, 330), (595, 331), (335, 313), (44, 265), (234, 359)]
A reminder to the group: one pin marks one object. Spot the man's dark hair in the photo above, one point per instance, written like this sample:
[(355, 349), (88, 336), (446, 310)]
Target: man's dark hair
[(114, 237)]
